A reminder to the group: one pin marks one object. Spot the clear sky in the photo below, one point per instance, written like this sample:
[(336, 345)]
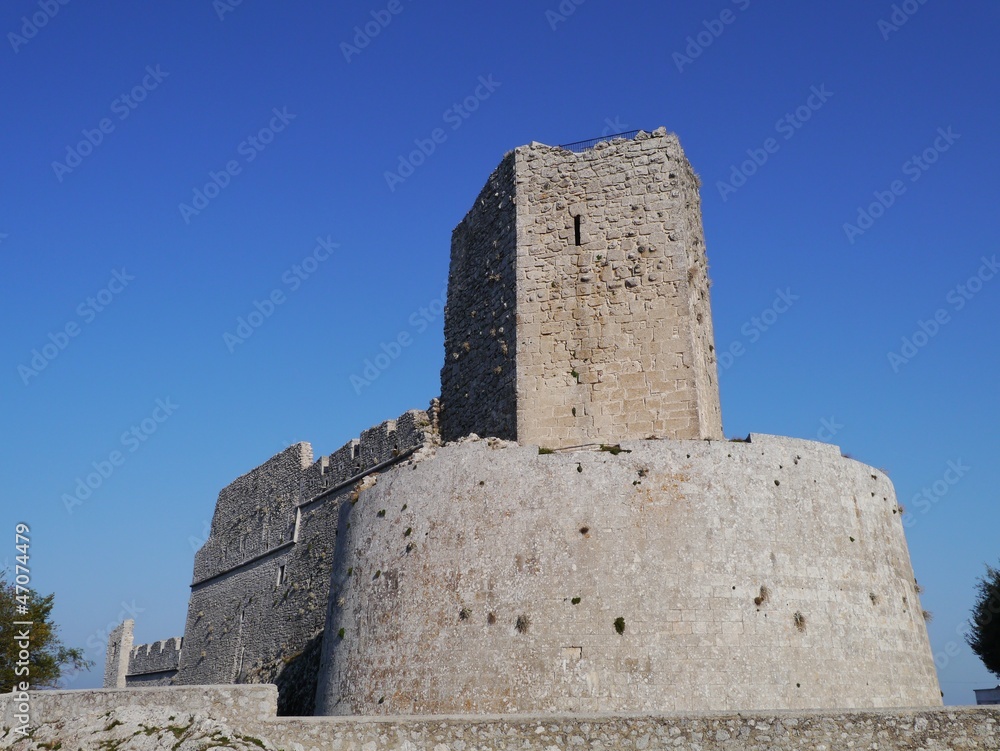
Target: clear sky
[(169, 166)]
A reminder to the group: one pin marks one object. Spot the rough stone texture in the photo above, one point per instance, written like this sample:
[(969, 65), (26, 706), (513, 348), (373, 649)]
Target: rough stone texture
[(772, 574), (241, 718), (224, 703), (154, 664), (478, 380), (116, 660), (261, 580), (561, 343)]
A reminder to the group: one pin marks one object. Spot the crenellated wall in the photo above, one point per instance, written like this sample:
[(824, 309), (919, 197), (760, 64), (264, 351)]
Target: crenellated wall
[(261, 580), (154, 664)]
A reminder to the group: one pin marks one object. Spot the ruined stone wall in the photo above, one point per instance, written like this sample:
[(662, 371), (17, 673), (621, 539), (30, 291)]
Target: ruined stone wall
[(478, 377), (672, 576), (578, 303), (261, 580)]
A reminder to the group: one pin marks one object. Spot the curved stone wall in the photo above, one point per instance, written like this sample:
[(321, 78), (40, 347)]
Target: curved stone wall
[(673, 575)]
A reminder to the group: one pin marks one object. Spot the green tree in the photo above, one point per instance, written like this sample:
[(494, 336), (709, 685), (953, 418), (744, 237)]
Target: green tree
[(47, 657), (985, 635)]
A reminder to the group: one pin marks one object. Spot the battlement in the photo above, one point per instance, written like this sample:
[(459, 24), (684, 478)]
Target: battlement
[(578, 303), (159, 657), (261, 580), (257, 513)]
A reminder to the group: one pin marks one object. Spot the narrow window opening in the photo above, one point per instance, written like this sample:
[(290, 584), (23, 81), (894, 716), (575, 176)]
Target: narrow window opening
[(281, 580), (577, 220)]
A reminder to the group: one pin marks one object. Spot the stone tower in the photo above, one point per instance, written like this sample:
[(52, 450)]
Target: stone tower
[(578, 304)]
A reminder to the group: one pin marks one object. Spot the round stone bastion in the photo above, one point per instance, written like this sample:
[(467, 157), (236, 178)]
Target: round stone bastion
[(658, 575)]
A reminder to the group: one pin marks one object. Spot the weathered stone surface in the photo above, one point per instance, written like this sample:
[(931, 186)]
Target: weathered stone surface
[(154, 664), (578, 303), (243, 718), (261, 580), (117, 657), (748, 576)]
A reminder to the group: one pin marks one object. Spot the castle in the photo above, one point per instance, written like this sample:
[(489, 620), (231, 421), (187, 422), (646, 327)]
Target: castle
[(566, 529)]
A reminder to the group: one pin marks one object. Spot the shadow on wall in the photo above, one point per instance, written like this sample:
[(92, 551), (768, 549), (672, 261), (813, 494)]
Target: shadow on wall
[(295, 676)]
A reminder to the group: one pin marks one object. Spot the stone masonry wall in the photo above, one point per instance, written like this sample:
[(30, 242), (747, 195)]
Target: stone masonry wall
[(565, 337), (117, 657), (243, 717), (478, 377), (261, 581), (154, 664), (669, 576), (614, 333)]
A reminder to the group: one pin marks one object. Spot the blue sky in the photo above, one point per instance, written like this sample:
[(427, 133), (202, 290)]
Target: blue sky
[(801, 118)]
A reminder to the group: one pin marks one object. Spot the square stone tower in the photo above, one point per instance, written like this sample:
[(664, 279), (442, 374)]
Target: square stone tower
[(578, 304)]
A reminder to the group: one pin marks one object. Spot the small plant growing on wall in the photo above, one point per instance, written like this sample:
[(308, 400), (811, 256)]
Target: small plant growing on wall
[(522, 624), (800, 621), (619, 625)]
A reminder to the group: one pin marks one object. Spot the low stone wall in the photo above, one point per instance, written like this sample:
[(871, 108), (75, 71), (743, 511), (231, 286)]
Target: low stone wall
[(902, 730), (245, 717), (232, 704)]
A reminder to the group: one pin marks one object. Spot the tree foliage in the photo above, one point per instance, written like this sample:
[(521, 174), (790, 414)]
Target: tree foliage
[(985, 635), (48, 655)]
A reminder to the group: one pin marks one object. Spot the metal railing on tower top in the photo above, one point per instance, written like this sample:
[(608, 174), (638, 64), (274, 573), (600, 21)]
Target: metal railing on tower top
[(579, 146)]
